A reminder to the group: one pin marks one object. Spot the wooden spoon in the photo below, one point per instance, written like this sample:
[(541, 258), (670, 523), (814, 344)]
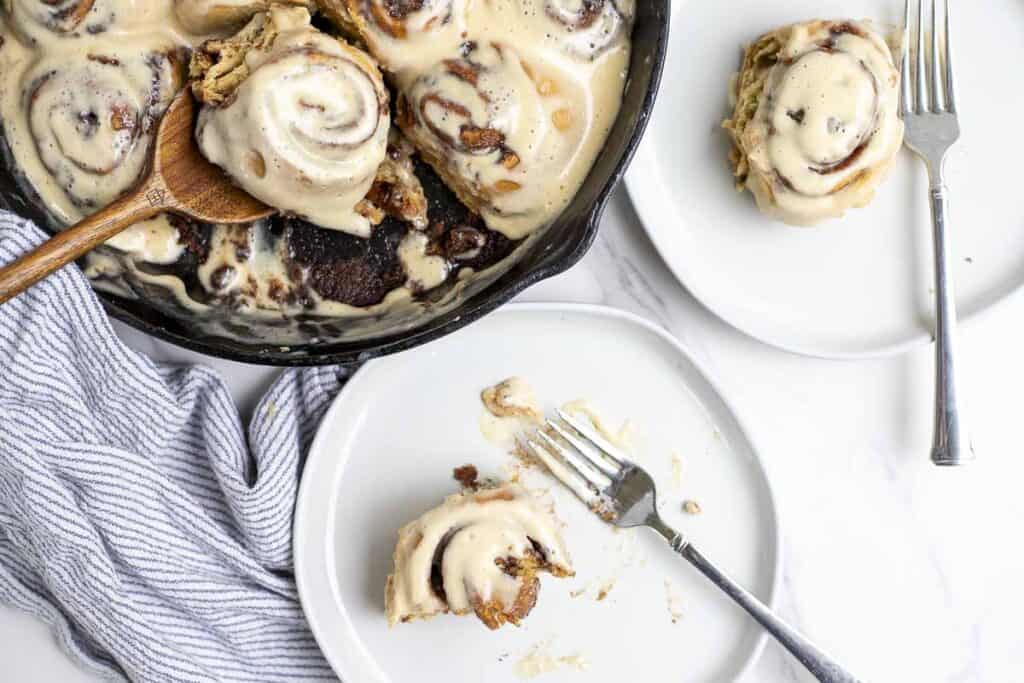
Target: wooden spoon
[(180, 180)]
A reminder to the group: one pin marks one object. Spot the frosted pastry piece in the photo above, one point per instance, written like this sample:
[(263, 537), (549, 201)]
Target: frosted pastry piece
[(816, 125), (479, 552), (296, 117)]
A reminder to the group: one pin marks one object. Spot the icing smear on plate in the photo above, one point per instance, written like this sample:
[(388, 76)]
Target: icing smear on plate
[(540, 660)]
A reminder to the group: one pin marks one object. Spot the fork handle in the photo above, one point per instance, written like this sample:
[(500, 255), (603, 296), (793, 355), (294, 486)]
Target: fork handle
[(821, 666), (950, 445)]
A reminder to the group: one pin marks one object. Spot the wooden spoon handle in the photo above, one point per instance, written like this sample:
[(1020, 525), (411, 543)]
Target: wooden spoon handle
[(76, 241)]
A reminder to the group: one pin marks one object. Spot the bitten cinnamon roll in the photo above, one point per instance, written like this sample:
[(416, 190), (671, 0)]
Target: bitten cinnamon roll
[(86, 124), (403, 33), (501, 131), (479, 552), (298, 118), (816, 124), (203, 17)]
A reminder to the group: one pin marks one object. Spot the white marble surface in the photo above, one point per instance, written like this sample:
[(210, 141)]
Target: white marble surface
[(905, 572)]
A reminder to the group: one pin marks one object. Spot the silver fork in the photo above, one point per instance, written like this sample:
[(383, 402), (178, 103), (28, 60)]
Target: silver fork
[(928, 108), (623, 494)]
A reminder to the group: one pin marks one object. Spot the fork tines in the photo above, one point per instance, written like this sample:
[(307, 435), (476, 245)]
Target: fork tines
[(928, 87), (578, 456)]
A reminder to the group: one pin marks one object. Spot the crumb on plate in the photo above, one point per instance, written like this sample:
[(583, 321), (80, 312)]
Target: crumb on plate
[(512, 397), (692, 507)]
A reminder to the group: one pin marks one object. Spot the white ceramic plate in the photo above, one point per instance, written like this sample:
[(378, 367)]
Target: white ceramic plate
[(384, 455), (859, 286)]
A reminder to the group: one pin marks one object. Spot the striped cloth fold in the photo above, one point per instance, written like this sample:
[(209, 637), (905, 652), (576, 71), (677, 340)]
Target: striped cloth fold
[(136, 518)]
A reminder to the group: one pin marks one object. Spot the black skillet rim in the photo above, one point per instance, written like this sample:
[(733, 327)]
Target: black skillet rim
[(496, 295)]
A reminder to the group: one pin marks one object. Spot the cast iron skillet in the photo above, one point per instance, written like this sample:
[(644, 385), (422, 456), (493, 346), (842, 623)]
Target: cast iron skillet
[(560, 247)]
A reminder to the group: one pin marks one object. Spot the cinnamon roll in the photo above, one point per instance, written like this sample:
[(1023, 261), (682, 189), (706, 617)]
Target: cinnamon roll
[(397, 190), (203, 17), (403, 33), (40, 21), (511, 100), (816, 123), (585, 28), (479, 552), (501, 131), (86, 122), (32, 18), (298, 118)]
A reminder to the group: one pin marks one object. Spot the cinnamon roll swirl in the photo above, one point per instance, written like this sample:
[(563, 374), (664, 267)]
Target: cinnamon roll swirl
[(585, 28), (816, 124), (298, 118), (501, 131), (31, 18), (403, 33), (479, 552), (41, 21), (89, 122)]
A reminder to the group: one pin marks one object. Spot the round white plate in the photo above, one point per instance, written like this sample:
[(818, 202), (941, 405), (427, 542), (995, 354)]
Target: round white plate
[(859, 286), (384, 455)]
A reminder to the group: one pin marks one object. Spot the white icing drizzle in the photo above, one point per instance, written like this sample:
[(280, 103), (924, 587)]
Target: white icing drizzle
[(153, 241), (424, 271), (46, 21), (478, 528), (241, 261), (827, 127)]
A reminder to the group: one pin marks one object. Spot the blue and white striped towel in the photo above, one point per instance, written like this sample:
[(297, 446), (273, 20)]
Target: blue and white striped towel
[(135, 517)]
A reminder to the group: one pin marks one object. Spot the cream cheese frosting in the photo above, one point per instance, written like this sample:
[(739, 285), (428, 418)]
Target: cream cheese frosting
[(104, 70), (423, 270), (43, 21), (583, 28), (306, 128), (826, 127), (509, 100), (471, 535), (82, 83)]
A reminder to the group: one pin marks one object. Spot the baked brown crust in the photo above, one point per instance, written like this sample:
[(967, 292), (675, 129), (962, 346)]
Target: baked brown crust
[(205, 17), (746, 89), (218, 66)]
